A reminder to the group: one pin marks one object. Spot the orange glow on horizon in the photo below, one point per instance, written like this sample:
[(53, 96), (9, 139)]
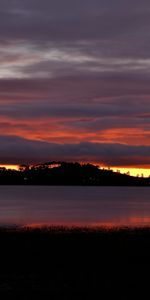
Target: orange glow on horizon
[(140, 172), (131, 170), (133, 221), (11, 167)]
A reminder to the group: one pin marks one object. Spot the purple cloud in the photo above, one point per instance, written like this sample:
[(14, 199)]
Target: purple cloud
[(29, 151), (81, 65)]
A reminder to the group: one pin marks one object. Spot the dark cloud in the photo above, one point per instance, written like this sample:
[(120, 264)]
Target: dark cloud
[(99, 28), (78, 88), (75, 110), (73, 19), (29, 151)]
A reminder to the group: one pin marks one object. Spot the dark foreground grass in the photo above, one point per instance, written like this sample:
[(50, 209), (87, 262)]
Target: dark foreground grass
[(59, 263)]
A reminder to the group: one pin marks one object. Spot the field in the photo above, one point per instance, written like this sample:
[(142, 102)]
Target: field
[(61, 263)]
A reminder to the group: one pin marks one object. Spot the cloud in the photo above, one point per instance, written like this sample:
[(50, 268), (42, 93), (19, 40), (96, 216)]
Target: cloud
[(65, 37), (75, 72), (29, 151), (57, 20), (65, 121)]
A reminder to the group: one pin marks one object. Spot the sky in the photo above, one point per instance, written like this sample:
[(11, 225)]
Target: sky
[(75, 81)]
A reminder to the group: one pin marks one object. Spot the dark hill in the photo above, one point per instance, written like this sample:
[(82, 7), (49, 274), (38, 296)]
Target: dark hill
[(63, 173)]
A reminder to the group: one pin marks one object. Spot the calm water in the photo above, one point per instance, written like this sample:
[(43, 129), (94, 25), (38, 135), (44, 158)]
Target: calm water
[(90, 206)]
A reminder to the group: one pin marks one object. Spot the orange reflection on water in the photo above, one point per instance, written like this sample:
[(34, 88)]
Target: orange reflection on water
[(135, 221)]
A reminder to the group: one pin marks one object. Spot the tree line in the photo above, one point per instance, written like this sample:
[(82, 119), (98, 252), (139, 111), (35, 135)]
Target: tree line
[(68, 173)]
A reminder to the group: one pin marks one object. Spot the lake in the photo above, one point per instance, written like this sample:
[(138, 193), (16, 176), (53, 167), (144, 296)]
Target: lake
[(74, 206)]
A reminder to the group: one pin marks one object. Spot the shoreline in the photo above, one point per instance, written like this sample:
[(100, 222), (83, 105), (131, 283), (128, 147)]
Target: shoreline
[(74, 229)]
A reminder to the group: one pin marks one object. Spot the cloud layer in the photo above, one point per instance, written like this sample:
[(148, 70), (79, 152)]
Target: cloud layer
[(29, 151), (75, 75)]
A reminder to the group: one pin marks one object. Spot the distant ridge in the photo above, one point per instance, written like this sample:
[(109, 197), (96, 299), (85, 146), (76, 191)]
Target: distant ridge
[(68, 173)]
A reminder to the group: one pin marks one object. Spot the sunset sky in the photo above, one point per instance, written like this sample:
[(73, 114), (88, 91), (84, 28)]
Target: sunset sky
[(75, 81)]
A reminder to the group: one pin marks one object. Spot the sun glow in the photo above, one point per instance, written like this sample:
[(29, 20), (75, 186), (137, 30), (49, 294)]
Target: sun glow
[(137, 172), (10, 167)]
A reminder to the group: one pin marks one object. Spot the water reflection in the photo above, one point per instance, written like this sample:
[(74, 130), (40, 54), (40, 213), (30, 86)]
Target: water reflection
[(75, 206)]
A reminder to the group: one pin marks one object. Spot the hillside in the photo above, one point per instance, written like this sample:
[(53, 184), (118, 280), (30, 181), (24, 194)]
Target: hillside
[(63, 173)]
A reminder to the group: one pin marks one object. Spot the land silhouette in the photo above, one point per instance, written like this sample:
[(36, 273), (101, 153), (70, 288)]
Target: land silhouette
[(74, 264), (68, 173)]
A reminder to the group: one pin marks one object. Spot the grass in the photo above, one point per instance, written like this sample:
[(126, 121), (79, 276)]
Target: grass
[(75, 263)]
